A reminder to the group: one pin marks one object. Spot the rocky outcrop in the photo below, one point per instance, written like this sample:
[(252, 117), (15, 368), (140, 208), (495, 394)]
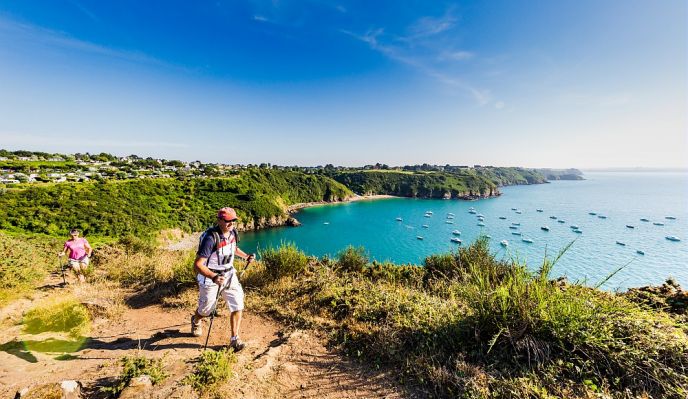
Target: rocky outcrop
[(669, 297)]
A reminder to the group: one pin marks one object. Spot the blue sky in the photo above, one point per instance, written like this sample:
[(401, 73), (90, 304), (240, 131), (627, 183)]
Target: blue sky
[(536, 83)]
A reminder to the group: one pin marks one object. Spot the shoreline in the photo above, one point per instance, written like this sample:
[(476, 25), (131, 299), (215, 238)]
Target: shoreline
[(296, 207)]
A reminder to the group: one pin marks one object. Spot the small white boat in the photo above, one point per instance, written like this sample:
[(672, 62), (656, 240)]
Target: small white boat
[(513, 209), (658, 224), (539, 210), (592, 213), (449, 221), (427, 215), (644, 219), (504, 243), (450, 217), (545, 228), (481, 224), (515, 223), (502, 217), (670, 217), (519, 212), (456, 233), (419, 237), (450, 214), (472, 211), (456, 240), (639, 252), (561, 221), (623, 244), (601, 216), (513, 227), (400, 220), (489, 237), (673, 238), (553, 217), (480, 215), (630, 226), (516, 233), (574, 226), (428, 212), (528, 240), (425, 226), (326, 222), (579, 231)]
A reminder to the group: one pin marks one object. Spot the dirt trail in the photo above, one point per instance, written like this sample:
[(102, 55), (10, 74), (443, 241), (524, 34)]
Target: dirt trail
[(277, 363)]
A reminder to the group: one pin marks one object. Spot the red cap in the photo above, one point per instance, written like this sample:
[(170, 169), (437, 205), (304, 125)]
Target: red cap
[(227, 214)]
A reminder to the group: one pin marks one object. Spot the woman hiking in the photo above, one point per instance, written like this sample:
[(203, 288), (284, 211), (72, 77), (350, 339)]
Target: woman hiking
[(79, 251), (215, 267)]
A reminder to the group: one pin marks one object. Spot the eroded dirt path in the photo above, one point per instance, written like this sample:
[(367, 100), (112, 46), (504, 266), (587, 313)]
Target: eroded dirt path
[(277, 362)]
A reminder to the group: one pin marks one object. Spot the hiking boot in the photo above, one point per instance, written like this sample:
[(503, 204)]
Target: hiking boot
[(237, 345), (196, 327)]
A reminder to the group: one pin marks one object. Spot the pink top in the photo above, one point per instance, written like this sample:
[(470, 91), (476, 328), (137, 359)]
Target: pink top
[(77, 248)]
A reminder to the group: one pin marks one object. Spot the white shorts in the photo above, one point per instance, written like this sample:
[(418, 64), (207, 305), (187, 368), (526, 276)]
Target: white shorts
[(207, 292), (78, 262)]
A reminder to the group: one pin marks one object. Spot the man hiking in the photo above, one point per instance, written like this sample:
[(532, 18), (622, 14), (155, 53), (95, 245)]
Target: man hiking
[(215, 267), (79, 253)]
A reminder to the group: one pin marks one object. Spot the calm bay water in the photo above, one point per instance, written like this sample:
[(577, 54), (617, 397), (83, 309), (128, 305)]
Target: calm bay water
[(624, 198)]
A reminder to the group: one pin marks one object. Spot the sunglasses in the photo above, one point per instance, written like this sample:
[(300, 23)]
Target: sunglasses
[(229, 221)]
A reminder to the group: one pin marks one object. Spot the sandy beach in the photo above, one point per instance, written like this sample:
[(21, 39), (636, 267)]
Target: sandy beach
[(296, 207)]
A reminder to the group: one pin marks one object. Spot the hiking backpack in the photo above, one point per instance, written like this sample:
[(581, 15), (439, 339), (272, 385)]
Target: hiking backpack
[(215, 233)]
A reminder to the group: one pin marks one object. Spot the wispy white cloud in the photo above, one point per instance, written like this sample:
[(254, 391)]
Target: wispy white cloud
[(456, 56), (405, 50), (85, 10), (260, 18), (430, 26), (61, 40)]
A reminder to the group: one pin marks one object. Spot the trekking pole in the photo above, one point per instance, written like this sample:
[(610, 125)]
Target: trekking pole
[(64, 280), (212, 312)]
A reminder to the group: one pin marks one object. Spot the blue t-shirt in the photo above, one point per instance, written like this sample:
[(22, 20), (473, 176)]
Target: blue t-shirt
[(224, 257)]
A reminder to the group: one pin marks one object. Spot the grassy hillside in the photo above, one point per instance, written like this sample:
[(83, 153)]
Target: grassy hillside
[(144, 207), (464, 183)]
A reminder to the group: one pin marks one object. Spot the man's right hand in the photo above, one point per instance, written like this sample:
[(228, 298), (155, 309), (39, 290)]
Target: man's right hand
[(220, 280), (61, 254)]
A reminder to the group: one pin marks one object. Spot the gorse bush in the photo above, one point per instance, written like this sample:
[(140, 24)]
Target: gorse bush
[(286, 260), (136, 366), (212, 368), (352, 259)]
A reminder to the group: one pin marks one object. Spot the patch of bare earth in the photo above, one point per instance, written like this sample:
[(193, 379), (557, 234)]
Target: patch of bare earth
[(277, 362)]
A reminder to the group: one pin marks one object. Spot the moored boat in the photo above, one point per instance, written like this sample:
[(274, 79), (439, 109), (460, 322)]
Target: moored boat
[(449, 221), (574, 226), (515, 223), (516, 233), (592, 213), (579, 231), (561, 221), (630, 226), (456, 240), (670, 217), (456, 232), (400, 220), (504, 243), (425, 226), (623, 244), (419, 237), (640, 252), (553, 217), (545, 228), (601, 216), (481, 224), (502, 217), (658, 224), (513, 227), (673, 238), (527, 240), (539, 210), (644, 219)]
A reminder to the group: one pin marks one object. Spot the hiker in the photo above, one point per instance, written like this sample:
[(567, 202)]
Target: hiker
[(79, 253), (214, 265)]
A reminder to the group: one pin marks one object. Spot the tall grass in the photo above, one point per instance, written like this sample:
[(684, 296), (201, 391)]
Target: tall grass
[(469, 324)]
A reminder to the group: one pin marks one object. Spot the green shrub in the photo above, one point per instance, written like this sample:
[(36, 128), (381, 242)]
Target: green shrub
[(286, 260), (211, 369), (136, 366), (352, 259)]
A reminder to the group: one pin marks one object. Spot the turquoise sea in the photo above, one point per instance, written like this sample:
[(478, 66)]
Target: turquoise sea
[(622, 197)]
